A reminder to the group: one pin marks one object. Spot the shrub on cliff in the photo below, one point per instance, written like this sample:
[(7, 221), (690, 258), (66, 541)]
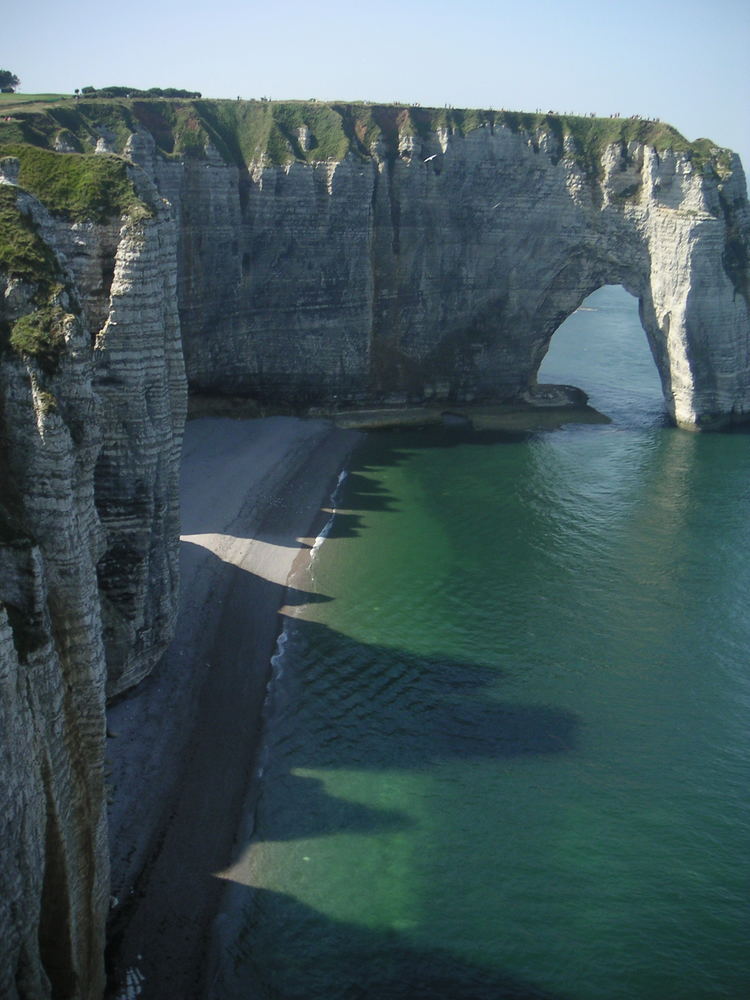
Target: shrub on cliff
[(25, 256), (8, 81), (135, 92), (41, 334)]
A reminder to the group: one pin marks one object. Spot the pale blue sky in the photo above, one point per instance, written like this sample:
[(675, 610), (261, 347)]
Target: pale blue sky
[(685, 62)]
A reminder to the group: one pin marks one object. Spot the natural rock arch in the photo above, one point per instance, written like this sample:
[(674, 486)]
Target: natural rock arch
[(671, 247), (603, 348), (701, 385), (592, 280)]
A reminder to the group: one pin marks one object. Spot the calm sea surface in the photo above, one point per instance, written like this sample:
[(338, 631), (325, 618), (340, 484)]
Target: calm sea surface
[(508, 740)]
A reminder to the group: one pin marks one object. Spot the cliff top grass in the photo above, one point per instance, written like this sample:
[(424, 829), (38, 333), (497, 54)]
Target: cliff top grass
[(10, 101), (283, 132), (79, 187)]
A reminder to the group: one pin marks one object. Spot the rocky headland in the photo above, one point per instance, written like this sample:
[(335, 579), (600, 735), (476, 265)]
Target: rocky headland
[(305, 256)]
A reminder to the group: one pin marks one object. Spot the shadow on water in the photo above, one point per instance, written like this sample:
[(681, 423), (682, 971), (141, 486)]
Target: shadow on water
[(407, 711), (392, 708), (318, 814), (365, 708), (348, 962), (395, 447), (368, 494), (368, 708), (373, 708)]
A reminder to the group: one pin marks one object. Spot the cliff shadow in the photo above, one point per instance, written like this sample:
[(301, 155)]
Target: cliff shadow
[(346, 705), (339, 705), (363, 493), (369, 706), (264, 954), (300, 494)]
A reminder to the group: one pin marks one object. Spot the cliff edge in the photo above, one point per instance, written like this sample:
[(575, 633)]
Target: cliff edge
[(351, 255)]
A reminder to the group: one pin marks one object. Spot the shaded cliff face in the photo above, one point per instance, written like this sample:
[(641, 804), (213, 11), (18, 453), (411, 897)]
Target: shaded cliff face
[(91, 406), (432, 255), (107, 258)]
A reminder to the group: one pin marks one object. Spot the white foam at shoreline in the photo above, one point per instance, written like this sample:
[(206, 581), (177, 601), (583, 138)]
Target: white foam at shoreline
[(277, 659), (329, 523), (133, 986)]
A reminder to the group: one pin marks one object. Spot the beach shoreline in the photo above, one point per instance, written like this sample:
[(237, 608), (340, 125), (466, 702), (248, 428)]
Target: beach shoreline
[(184, 743)]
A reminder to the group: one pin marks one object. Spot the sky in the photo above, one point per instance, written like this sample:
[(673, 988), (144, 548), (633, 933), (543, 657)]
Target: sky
[(684, 61)]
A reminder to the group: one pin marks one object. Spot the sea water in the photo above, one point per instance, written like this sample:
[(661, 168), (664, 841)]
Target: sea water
[(507, 747)]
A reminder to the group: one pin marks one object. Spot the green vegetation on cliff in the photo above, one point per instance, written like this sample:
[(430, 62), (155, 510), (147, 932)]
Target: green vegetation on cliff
[(54, 142), (23, 253), (41, 334), (80, 187), (25, 256), (282, 132), (591, 136)]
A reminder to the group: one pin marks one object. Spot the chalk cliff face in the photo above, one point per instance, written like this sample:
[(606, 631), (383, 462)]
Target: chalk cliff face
[(438, 265), (90, 425), (304, 255)]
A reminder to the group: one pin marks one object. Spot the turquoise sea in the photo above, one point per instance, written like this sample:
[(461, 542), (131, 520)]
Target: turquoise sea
[(507, 747)]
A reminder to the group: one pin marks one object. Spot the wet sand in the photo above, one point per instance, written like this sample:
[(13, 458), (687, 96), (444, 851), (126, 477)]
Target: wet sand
[(183, 746)]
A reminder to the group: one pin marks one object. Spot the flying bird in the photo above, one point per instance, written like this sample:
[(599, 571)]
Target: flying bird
[(430, 158)]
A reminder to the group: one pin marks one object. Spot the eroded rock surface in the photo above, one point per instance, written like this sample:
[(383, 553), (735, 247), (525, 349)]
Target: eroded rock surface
[(90, 426), (438, 266)]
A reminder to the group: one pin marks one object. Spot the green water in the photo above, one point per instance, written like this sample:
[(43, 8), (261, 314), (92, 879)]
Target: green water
[(507, 749)]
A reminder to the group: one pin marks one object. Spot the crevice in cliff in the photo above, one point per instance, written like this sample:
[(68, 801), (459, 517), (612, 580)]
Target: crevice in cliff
[(55, 931), (736, 256), (108, 275), (244, 187), (394, 204), (151, 116), (29, 630)]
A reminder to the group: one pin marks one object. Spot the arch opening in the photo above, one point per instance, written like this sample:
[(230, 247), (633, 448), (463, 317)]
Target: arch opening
[(602, 348)]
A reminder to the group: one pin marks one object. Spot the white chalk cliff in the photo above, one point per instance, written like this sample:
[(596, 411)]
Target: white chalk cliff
[(438, 267), (406, 259), (89, 464)]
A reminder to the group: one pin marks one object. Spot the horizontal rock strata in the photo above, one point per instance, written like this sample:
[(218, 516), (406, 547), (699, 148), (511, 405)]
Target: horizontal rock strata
[(91, 412), (437, 265)]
